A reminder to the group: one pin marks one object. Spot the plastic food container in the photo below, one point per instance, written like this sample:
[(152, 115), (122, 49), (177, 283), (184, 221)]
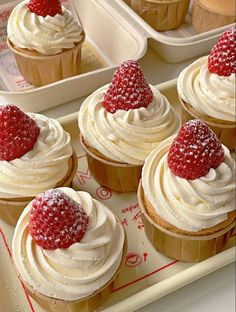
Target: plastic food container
[(176, 45), (110, 39)]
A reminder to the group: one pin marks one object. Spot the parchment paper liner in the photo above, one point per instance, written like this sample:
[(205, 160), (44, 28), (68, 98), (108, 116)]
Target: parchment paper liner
[(116, 176), (204, 19), (40, 70), (88, 304), (185, 248), (225, 130), (11, 209), (161, 15)]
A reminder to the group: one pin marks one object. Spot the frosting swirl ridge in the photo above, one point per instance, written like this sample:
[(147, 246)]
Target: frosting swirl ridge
[(47, 35), (126, 136), (81, 269), (207, 92), (191, 205), (42, 167)]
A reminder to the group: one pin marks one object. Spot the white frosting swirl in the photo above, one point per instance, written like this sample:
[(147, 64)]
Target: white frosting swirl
[(190, 205), (42, 167), (208, 93), (126, 136), (81, 269), (47, 35)]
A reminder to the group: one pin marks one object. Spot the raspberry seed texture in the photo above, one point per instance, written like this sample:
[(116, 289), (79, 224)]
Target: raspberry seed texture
[(56, 220), (18, 133), (222, 58), (194, 151), (45, 7), (128, 89)]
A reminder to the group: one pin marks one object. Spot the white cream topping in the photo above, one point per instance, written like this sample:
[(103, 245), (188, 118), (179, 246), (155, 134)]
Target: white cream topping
[(190, 205), (81, 269), (42, 167), (208, 93), (127, 136), (47, 35)]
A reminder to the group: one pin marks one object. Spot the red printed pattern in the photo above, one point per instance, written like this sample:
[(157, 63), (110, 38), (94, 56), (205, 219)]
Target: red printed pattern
[(23, 286), (4, 16)]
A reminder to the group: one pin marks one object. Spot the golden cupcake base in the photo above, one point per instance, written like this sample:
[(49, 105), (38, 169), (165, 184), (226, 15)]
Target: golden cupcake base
[(205, 19), (116, 176), (40, 70), (161, 15), (11, 209), (88, 304), (225, 130), (182, 245)]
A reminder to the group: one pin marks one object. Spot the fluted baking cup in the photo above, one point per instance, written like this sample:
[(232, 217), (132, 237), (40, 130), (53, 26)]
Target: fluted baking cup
[(204, 19), (225, 130), (161, 14), (11, 208), (187, 248), (118, 177), (89, 304), (40, 70)]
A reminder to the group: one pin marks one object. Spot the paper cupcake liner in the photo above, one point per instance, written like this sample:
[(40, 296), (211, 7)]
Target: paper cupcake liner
[(89, 304), (116, 176), (11, 209), (226, 131), (161, 15), (185, 248), (41, 70), (204, 20)]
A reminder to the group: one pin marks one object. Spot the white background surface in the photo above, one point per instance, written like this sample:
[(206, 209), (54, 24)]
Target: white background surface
[(213, 293)]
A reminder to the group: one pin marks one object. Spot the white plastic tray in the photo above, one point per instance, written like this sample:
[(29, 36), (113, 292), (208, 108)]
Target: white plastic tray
[(110, 39), (147, 274), (175, 45)]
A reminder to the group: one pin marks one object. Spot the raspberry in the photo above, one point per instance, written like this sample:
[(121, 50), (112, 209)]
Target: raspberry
[(128, 89), (195, 150), (222, 58), (45, 7), (18, 133), (56, 220)]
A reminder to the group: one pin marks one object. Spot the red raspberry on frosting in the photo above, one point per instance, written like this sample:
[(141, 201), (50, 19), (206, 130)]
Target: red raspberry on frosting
[(222, 58), (194, 151), (18, 133), (128, 89), (56, 220), (45, 7)]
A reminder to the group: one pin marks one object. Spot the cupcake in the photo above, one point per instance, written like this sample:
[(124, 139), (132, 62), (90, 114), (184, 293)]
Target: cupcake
[(206, 89), (161, 14), (211, 14), (121, 124), (187, 194), (68, 249), (46, 41), (35, 155)]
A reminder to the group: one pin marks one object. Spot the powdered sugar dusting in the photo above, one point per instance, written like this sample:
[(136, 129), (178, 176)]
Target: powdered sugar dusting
[(18, 133), (56, 220), (222, 58), (194, 151), (128, 90)]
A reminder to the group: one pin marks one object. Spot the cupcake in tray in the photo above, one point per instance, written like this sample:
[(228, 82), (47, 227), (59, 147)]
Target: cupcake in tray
[(187, 194), (206, 89), (45, 40), (121, 124), (68, 249), (35, 155), (211, 14), (161, 14)]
